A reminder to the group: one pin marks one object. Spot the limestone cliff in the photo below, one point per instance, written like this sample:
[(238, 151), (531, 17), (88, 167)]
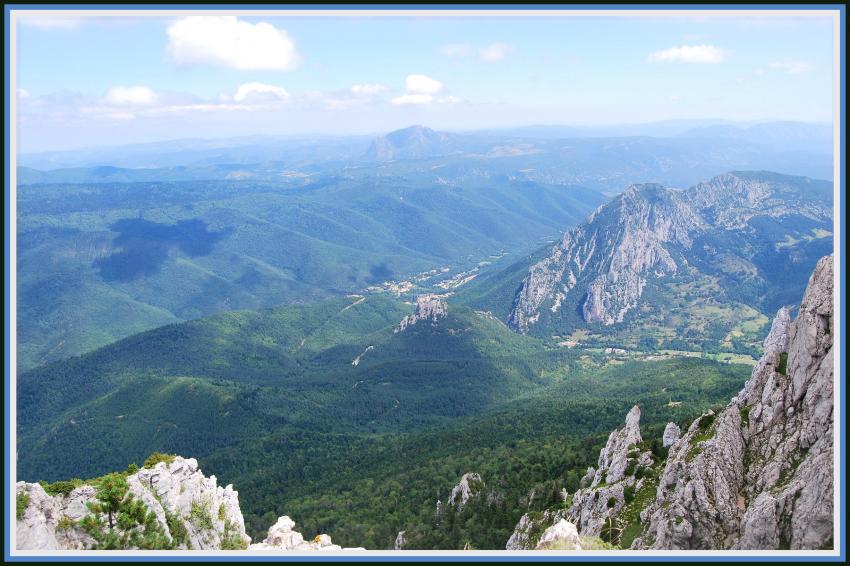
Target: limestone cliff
[(428, 308), (759, 475), (602, 267)]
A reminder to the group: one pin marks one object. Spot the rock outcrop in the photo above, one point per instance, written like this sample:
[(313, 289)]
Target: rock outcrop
[(470, 486), (672, 432), (759, 475), (400, 541), (531, 527), (756, 475), (610, 257), (560, 536), (428, 307), (619, 465), (190, 509), (603, 266), (283, 537)]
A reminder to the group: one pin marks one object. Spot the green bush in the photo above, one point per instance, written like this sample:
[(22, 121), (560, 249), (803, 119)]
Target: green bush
[(628, 493), (783, 363), (200, 515), (612, 501), (61, 487), (231, 539), (177, 528), (158, 457), (22, 501)]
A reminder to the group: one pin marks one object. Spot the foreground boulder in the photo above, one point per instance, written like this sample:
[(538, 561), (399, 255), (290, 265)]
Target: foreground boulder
[(282, 536)]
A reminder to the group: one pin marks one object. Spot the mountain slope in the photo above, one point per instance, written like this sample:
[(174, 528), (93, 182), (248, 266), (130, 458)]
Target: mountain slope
[(335, 366), (134, 256), (661, 259)]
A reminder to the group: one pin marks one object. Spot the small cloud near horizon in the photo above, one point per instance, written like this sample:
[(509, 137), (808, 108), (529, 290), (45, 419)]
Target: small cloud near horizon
[(690, 54)]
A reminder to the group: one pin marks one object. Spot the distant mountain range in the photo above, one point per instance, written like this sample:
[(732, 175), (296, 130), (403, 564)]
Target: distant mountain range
[(608, 158)]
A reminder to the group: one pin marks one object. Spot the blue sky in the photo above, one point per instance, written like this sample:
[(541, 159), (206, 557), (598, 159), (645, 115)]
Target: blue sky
[(99, 81)]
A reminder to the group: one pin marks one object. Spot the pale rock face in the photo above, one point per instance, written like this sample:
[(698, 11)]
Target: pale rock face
[(428, 307), (590, 507), (671, 435), (613, 459), (614, 252), (400, 541), (282, 537), (210, 513), (470, 485), (560, 536), (39, 529), (523, 537), (608, 260), (763, 479), (171, 487), (731, 200)]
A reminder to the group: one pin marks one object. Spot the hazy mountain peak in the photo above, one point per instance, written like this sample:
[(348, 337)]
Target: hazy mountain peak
[(413, 142)]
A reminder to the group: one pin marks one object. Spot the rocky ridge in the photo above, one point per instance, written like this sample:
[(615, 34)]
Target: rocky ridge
[(619, 473), (428, 307), (760, 473), (190, 510), (605, 263)]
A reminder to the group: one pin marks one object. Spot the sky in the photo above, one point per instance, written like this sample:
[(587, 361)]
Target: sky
[(98, 81)]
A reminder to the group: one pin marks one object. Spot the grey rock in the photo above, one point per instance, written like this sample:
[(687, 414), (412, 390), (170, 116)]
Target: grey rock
[(600, 501), (524, 537), (167, 487), (560, 536), (671, 435), (210, 513), (471, 485), (429, 307), (400, 541), (761, 475)]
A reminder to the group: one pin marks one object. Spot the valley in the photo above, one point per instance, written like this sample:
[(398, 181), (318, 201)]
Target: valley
[(344, 344)]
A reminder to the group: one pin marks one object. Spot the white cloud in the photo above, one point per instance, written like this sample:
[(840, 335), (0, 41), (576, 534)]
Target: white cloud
[(690, 54), (130, 96), (23, 93), (495, 52), (422, 84), (792, 67), (230, 42), (50, 22), (260, 91), (368, 89), (456, 50)]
